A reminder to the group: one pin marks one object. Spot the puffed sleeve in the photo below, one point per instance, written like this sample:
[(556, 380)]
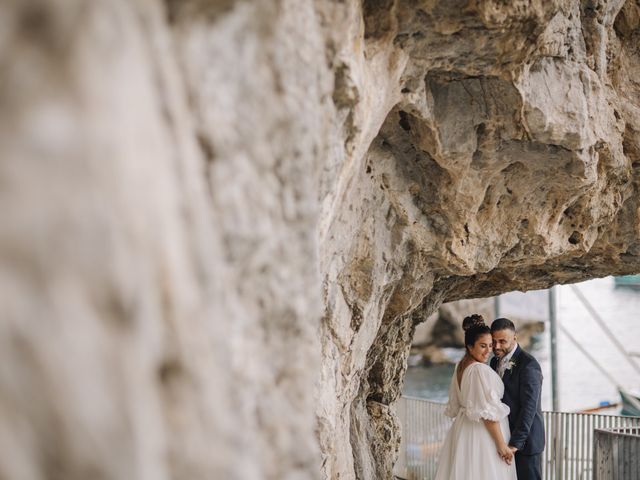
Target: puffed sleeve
[(484, 395), (453, 405)]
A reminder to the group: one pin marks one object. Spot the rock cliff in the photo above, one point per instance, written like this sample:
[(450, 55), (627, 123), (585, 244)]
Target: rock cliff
[(505, 157), (223, 219)]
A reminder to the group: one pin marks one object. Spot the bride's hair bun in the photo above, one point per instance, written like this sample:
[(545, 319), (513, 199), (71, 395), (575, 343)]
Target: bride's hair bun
[(474, 327), (472, 321)]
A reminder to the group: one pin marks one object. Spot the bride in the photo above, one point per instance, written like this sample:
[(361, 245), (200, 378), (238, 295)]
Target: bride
[(476, 446)]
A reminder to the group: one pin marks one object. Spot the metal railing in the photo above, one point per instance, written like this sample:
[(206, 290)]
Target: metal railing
[(569, 436), (424, 427), (569, 440), (616, 454)]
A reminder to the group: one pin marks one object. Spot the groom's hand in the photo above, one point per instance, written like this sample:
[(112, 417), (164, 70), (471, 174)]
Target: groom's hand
[(513, 449), (505, 454)]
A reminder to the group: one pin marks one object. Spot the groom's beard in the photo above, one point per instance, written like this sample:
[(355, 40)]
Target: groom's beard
[(502, 352)]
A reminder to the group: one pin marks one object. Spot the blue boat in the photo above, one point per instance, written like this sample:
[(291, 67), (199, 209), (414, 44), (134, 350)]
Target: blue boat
[(627, 281), (630, 403)]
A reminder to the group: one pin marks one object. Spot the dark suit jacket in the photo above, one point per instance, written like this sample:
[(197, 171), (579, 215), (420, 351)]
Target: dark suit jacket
[(522, 392)]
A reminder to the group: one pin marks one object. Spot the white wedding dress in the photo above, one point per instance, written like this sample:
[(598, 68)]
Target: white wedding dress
[(468, 451)]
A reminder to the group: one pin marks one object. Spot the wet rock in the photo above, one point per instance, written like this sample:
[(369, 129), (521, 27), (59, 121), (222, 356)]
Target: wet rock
[(430, 355)]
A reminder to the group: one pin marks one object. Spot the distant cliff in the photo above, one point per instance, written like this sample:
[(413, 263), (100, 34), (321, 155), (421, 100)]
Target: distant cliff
[(443, 328)]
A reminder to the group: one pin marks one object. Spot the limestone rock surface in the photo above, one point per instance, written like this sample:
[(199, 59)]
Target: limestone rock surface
[(506, 159), (222, 220)]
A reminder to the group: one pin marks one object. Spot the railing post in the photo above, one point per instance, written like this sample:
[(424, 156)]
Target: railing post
[(553, 331)]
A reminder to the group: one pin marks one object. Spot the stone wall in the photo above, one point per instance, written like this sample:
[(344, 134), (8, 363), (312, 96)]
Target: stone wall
[(223, 219)]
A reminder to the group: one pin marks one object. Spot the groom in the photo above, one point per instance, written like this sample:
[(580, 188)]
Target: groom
[(522, 379)]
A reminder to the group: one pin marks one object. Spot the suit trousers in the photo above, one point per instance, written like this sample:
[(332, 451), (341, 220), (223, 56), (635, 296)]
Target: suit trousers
[(529, 467)]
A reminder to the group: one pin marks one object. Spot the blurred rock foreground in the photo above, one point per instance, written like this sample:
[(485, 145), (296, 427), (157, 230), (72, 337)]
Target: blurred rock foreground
[(222, 220)]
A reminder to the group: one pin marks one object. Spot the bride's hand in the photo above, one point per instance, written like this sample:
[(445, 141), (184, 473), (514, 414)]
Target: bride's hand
[(505, 453)]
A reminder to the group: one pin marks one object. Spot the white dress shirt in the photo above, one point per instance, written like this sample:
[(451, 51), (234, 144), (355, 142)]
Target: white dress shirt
[(504, 361)]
